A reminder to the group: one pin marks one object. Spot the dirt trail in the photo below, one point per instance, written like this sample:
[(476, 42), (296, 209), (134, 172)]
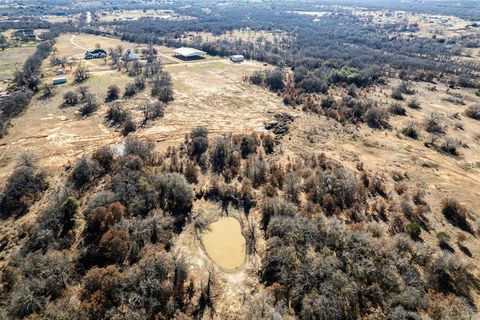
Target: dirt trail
[(76, 45)]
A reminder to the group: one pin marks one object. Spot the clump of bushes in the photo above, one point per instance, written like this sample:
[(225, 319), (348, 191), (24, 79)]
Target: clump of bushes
[(80, 75), (433, 124), (23, 188), (443, 241), (116, 114), (473, 112), (456, 213), (84, 171), (274, 80), (70, 98), (450, 147), (113, 93), (414, 230), (130, 89), (377, 117), (175, 195), (411, 130), (152, 111), (142, 149), (104, 157), (414, 104), (397, 94), (199, 142), (397, 109), (91, 105), (162, 87)]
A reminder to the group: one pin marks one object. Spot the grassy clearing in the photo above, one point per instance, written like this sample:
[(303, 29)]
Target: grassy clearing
[(13, 58)]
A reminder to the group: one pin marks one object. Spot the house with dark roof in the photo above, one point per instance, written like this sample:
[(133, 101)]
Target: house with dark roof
[(95, 54)]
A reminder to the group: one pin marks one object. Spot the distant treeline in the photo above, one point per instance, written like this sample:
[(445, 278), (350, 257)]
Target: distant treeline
[(334, 41)]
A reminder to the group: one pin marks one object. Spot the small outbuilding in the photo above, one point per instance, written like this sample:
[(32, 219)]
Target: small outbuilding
[(188, 53), (130, 56), (59, 80), (237, 58), (60, 71)]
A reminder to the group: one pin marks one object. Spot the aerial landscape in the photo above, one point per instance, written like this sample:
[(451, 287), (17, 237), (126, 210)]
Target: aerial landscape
[(240, 159)]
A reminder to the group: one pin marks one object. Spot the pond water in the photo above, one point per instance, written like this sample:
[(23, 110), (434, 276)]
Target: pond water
[(224, 243)]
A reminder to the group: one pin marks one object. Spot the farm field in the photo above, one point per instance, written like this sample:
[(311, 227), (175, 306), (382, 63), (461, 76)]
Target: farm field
[(12, 59)]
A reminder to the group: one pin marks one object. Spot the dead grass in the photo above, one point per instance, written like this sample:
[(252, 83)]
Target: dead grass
[(389, 151), (209, 92), (12, 59), (241, 34)]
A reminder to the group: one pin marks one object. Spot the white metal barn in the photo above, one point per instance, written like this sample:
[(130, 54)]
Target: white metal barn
[(188, 53), (237, 58)]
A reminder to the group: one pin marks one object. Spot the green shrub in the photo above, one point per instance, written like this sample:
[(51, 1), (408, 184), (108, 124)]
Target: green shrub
[(414, 230), (69, 209), (175, 195)]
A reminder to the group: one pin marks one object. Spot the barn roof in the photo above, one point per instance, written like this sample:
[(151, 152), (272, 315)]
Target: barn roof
[(189, 52)]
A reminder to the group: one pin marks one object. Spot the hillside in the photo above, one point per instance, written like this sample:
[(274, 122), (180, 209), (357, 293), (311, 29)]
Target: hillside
[(341, 183)]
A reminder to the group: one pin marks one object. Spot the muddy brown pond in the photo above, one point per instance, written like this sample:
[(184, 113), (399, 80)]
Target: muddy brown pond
[(224, 243)]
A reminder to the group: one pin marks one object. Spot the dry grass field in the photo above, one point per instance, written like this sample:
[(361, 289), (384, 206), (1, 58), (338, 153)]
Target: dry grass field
[(138, 14), (209, 92), (213, 92), (12, 59)]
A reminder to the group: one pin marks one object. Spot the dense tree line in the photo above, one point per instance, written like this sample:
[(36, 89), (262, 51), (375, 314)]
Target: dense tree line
[(27, 82), (333, 41)]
